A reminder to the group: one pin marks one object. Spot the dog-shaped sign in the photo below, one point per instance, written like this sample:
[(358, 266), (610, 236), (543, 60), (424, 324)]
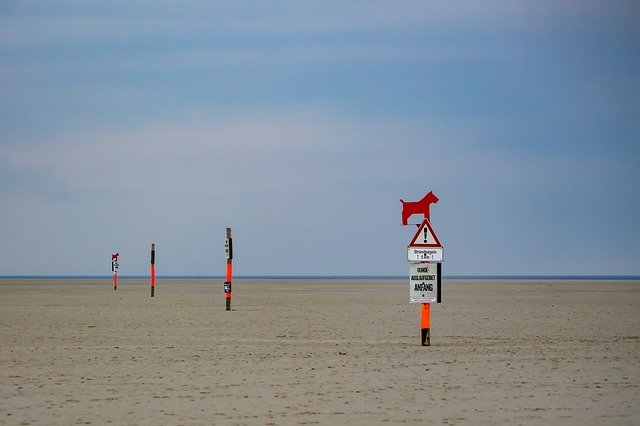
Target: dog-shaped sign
[(409, 208)]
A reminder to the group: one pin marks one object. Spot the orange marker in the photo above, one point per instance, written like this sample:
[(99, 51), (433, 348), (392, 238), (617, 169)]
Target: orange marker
[(153, 268), (425, 324)]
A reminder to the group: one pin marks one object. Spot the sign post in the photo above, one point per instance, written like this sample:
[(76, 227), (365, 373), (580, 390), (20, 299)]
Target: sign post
[(153, 268), (425, 254), (425, 324), (228, 251), (114, 269)]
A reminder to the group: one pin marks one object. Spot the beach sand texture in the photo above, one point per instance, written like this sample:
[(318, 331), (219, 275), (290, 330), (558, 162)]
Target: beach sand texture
[(318, 351)]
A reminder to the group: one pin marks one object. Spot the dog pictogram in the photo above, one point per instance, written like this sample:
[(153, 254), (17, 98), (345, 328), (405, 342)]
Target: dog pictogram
[(409, 208)]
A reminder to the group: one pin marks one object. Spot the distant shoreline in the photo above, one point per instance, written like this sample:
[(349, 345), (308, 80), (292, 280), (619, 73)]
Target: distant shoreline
[(337, 277)]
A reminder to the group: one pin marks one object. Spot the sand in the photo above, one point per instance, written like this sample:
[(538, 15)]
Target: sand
[(318, 351)]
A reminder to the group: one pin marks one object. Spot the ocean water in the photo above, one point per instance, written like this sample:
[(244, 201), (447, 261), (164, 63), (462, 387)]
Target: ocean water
[(334, 277)]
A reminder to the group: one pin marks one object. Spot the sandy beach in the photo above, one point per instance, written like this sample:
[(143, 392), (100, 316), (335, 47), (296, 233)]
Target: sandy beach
[(318, 351)]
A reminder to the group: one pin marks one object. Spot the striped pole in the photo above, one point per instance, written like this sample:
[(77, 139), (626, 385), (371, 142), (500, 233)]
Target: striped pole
[(153, 268), (425, 324), (114, 269), (228, 248)]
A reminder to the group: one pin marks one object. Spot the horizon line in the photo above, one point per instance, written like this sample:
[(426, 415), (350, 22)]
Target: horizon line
[(334, 277)]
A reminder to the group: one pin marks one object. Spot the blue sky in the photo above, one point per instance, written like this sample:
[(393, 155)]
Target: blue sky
[(301, 124)]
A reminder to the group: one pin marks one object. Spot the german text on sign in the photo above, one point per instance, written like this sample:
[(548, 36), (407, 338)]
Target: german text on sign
[(427, 254), (424, 282)]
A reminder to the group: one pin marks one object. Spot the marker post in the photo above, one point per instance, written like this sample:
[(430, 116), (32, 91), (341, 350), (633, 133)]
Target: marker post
[(153, 268), (114, 269), (425, 324), (228, 249), (424, 254)]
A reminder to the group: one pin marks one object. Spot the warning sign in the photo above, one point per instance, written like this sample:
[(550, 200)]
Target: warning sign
[(425, 237)]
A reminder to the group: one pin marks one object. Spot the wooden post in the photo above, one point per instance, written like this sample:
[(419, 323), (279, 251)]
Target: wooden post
[(153, 268), (425, 324), (228, 248), (114, 269)]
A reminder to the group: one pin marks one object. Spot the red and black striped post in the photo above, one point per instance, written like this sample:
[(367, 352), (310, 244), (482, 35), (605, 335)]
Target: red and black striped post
[(153, 268), (228, 249), (114, 269)]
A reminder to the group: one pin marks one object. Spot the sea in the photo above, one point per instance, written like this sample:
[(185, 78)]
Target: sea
[(334, 277)]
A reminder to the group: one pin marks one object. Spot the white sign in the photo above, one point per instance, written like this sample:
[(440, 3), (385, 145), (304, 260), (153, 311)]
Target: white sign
[(425, 237), (424, 282), (426, 254)]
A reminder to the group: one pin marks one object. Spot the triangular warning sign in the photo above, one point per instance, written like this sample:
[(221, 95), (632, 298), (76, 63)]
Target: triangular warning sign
[(425, 237)]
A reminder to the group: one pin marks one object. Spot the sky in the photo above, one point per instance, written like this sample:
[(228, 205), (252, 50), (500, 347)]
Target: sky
[(301, 124)]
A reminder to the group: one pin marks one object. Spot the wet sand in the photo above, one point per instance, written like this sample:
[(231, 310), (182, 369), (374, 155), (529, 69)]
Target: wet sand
[(318, 351)]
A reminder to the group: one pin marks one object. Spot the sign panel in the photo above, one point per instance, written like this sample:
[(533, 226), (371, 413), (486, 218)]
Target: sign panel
[(425, 237), (114, 261), (228, 248), (424, 254), (424, 282)]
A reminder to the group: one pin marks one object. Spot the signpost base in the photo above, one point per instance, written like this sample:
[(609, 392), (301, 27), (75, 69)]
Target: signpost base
[(425, 324), (227, 290), (426, 337)]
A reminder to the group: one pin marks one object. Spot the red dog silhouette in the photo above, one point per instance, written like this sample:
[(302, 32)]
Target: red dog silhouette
[(409, 208), (114, 257)]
